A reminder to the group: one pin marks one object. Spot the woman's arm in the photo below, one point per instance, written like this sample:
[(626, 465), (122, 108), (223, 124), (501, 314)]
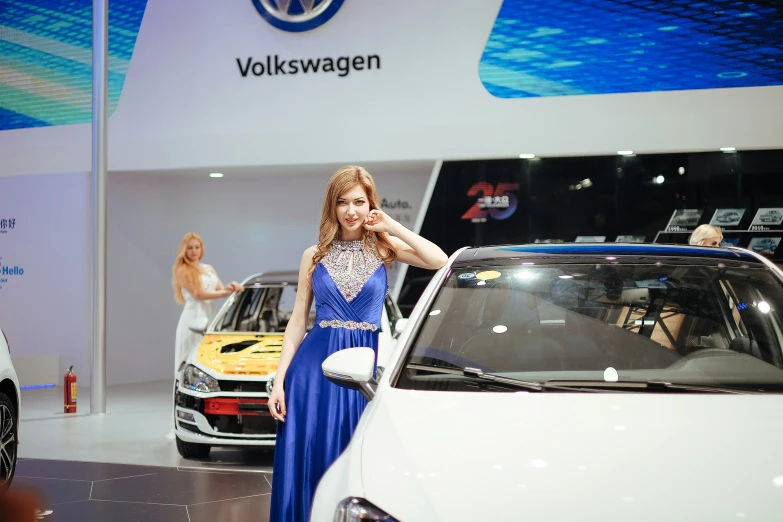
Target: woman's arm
[(411, 248), (199, 293), (294, 333)]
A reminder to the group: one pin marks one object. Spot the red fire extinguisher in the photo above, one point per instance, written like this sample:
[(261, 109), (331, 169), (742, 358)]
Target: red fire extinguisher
[(70, 391)]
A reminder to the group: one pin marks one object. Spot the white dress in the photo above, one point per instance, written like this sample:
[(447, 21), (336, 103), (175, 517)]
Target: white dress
[(195, 313)]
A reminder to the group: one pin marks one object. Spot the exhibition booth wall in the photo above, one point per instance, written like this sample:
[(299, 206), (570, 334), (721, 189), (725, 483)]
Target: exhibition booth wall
[(200, 83), (45, 274), (251, 220)]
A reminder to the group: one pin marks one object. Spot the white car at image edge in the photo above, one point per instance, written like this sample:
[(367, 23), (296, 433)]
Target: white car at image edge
[(573, 383), (10, 403)]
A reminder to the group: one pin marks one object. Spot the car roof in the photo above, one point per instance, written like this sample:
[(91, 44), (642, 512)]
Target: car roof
[(629, 251), (277, 277)]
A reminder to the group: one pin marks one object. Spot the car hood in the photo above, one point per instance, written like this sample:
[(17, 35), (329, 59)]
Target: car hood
[(240, 354), (439, 456)]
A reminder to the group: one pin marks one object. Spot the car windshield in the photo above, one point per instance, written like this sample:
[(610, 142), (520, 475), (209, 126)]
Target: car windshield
[(699, 322), (259, 309)]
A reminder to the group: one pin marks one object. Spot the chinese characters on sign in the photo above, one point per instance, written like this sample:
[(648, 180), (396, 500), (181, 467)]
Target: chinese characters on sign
[(6, 225), (405, 219), (494, 202)]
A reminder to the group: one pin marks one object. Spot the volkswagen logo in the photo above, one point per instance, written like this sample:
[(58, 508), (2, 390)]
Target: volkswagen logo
[(297, 15)]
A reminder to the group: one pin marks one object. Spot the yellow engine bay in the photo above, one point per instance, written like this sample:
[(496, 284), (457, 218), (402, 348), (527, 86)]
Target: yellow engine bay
[(250, 354)]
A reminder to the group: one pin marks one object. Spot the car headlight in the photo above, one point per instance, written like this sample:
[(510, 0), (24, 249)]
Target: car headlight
[(357, 509), (269, 384), (199, 381)]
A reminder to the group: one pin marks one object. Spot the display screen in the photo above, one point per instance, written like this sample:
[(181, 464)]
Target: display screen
[(46, 59), (562, 47)]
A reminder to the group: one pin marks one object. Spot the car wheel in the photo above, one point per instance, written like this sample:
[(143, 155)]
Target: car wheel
[(8, 441), (191, 450)]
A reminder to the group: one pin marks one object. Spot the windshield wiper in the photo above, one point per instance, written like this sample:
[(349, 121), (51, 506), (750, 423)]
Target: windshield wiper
[(499, 379), (526, 385), (579, 385), (651, 385)]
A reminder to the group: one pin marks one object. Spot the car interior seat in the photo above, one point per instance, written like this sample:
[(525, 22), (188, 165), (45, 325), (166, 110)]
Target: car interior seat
[(746, 345), (269, 313), (264, 321)]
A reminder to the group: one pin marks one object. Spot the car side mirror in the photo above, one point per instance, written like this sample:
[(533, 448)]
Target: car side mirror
[(352, 368), (399, 325), (199, 330)]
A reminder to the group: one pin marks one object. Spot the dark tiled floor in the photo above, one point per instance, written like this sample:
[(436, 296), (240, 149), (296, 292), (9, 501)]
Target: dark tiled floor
[(92, 492)]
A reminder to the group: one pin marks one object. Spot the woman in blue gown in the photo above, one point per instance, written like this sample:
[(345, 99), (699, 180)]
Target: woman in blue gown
[(345, 273)]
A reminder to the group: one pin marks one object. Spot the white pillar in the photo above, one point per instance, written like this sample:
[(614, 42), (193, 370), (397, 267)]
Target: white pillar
[(100, 59)]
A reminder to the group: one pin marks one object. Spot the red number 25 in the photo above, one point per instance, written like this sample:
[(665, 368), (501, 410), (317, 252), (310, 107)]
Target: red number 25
[(498, 202)]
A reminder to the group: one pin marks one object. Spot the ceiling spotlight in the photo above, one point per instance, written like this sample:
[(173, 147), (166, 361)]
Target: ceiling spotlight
[(586, 183), (527, 156), (625, 152), (215, 174), (681, 171), (658, 180), (728, 149)]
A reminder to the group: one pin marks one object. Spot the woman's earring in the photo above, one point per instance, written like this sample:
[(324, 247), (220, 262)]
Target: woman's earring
[(371, 237)]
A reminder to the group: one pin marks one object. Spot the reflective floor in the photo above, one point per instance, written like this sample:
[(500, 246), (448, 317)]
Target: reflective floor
[(93, 492), (121, 467), (133, 431)]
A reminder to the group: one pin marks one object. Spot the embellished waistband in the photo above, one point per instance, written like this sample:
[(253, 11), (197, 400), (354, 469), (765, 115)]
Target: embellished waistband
[(350, 325)]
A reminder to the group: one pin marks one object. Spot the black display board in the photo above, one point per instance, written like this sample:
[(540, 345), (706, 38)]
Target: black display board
[(604, 198)]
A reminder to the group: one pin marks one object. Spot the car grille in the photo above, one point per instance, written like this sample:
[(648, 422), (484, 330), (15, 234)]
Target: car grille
[(242, 386), (246, 425), (255, 422)]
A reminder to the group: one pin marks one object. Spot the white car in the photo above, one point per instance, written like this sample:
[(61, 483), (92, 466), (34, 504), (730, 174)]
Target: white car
[(221, 392), (10, 403), (565, 383)]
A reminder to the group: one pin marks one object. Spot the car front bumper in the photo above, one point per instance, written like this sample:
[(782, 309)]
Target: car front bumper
[(224, 419)]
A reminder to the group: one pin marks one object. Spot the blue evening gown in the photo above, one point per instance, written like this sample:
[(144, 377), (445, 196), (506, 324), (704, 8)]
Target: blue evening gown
[(321, 416)]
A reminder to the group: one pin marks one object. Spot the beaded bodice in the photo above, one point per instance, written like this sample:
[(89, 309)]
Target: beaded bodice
[(350, 265)]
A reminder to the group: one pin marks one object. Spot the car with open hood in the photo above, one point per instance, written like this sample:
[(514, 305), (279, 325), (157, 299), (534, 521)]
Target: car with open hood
[(221, 390), (567, 382)]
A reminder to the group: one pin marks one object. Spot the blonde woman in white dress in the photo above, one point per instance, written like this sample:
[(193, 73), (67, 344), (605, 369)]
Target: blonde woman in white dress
[(196, 286)]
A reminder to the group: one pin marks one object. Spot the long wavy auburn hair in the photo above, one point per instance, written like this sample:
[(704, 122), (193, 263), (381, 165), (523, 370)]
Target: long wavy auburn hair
[(342, 181), (191, 271)]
